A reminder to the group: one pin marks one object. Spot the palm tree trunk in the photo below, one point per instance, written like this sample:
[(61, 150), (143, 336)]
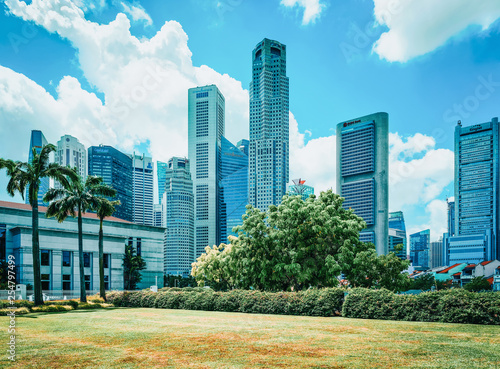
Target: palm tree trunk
[(101, 262), (37, 281), (83, 296)]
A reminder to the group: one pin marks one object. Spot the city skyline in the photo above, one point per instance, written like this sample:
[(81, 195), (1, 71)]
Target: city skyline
[(63, 93)]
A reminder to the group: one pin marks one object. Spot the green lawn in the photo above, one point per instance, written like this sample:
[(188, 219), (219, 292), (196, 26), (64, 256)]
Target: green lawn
[(156, 338)]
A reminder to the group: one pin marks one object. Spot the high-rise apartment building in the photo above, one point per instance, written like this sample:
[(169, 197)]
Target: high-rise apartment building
[(161, 170), (477, 194), (38, 141), (397, 233), (362, 174), (419, 248), (71, 153), (269, 125), (142, 187), (206, 117), (115, 168), (179, 210), (234, 186)]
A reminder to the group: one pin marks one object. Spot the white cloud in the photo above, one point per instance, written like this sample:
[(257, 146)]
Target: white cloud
[(144, 83), (137, 13), (436, 211), (417, 27), (313, 161), (417, 180), (312, 9)]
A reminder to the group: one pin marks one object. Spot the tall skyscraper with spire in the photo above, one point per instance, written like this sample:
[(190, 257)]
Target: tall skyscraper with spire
[(269, 125)]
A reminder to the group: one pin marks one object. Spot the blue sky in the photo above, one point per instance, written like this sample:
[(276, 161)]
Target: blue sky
[(117, 72)]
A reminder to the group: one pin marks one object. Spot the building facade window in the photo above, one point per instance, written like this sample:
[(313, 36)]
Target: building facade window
[(88, 282), (66, 258), (106, 260), (87, 256), (66, 278), (45, 257), (45, 281)]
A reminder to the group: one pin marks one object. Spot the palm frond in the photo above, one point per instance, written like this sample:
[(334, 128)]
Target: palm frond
[(54, 194)]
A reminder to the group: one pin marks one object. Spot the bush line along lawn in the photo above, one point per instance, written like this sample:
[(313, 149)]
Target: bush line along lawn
[(448, 306), (162, 338)]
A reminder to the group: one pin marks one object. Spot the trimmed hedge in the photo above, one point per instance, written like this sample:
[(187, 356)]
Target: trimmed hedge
[(314, 302), (447, 306), (25, 307)]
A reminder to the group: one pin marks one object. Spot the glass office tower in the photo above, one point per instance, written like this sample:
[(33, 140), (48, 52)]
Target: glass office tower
[(269, 125), (37, 141), (419, 248), (477, 188), (115, 168), (161, 169), (206, 115), (397, 233), (363, 174), (234, 186), (142, 187), (179, 235)]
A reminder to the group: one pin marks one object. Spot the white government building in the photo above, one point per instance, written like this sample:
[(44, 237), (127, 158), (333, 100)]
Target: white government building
[(59, 249)]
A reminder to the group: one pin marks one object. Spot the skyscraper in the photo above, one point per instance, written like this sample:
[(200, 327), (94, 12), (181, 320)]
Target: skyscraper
[(362, 174), (71, 153), (451, 217), (477, 194), (115, 168), (37, 142), (269, 126), (397, 233), (179, 200), (161, 169), (206, 116), (419, 248), (142, 187), (436, 254), (234, 186)]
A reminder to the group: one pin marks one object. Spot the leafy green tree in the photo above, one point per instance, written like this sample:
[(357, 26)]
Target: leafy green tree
[(4, 275), (478, 284), (424, 282), (75, 200), (105, 208), (28, 176), (171, 280), (132, 266), (297, 245)]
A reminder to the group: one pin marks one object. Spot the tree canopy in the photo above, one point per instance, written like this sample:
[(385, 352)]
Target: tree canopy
[(297, 245)]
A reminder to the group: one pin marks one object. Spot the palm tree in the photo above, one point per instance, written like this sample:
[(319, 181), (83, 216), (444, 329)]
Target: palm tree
[(106, 208), (75, 200), (28, 175)]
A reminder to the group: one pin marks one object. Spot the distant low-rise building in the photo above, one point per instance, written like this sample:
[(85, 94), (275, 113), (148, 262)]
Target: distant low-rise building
[(59, 249)]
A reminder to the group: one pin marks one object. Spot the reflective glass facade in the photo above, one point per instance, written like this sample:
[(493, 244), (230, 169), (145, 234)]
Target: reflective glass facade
[(37, 142), (397, 222), (269, 125), (161, 169), (115, 168), (142, 187), (179, 236), (234, 186), (419, 248)]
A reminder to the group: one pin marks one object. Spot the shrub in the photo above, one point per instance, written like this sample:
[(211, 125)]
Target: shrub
[(314, 302), (87, 305), (447, 306), (17, 311)]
